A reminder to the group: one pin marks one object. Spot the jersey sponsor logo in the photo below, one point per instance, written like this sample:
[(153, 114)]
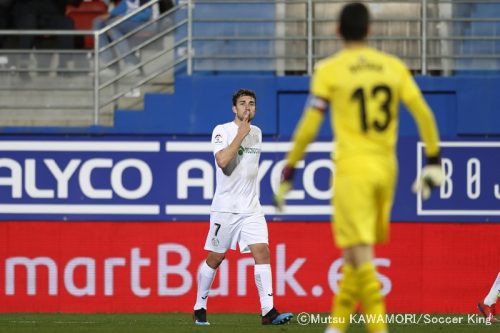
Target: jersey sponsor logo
[(248, 150)]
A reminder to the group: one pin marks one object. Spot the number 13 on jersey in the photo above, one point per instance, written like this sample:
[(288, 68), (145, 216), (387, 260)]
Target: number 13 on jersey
[(382, 96)]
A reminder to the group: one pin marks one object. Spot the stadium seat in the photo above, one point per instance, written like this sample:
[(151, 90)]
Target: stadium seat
[(84, 15)]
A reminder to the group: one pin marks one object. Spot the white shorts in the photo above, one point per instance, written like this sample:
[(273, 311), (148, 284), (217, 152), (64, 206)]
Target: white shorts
[(228, 228)]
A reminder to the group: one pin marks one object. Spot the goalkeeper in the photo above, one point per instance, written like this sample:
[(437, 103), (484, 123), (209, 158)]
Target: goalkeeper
[(363, 88)]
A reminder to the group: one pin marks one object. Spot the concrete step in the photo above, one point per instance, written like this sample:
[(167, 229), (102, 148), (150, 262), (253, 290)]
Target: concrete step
[(136, 102), (54, 117), (46, 99), (67, 99)]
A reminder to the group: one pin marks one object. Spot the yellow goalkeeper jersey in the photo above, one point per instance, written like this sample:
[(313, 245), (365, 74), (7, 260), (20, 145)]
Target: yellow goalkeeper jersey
[(364, 87)]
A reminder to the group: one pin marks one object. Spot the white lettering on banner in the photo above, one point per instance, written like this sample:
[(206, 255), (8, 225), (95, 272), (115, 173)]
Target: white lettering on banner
[(335, 275), (117, 179), (64, 175), (446, 190), (135, 275), (473, 178), (184, 181), (109, 280), (286, 276), (14, 181), (80, 274), (30, 182), (470, 173), (269, 169), (309, 185), (31, 270), (384, 280), (69, 280), (164, 269), (206, 183), (86, 181)]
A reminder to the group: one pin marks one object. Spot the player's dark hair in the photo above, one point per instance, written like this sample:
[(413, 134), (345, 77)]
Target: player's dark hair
[(354, 22), (244, 92)]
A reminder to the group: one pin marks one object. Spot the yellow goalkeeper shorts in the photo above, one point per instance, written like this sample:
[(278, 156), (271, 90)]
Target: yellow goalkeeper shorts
[(363, 195)]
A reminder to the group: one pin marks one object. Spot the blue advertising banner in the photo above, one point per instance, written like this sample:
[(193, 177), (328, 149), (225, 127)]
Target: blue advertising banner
[(472, 185), (167, 179)]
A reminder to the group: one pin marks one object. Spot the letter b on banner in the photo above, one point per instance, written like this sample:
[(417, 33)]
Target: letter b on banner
[(180, 269)]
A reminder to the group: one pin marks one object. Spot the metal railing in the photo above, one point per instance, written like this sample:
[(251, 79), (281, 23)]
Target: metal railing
[(289, 36), (38, 80), (279, 37)]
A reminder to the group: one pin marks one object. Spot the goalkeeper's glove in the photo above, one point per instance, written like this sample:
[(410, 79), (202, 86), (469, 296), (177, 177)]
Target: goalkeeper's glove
[(285, 186), (431, 176)]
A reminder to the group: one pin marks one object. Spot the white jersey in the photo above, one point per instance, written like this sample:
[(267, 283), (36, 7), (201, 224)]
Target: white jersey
[(236, 190)]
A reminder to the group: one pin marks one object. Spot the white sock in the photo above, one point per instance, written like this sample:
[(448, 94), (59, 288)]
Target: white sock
[(264, 283), (206, 276), (492, 296)]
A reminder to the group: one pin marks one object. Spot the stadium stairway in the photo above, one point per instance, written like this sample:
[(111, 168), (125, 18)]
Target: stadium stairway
[(68, 101), (40, 96)]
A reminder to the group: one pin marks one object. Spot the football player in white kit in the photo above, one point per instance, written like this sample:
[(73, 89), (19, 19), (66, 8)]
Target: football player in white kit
[(236, 215), (488, 306)]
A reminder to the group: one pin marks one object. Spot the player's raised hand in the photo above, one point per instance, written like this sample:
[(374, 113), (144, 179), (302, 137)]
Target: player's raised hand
[(244, 127), (431, 176), (284, 187)]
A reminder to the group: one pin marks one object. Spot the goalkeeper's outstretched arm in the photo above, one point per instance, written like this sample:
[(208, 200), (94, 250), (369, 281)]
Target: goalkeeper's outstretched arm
[(431, 175), (305, 133), (426, 125)]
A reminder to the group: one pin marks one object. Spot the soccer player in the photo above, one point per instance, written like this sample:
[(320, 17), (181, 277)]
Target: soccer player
[(363, 88), (487, 307), (236, 215)]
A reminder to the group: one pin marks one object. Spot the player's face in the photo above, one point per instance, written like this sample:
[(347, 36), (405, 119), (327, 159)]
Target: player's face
[(244, 105)]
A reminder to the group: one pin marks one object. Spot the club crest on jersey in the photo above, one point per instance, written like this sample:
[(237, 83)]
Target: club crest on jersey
[(218, 138), (215, 242)]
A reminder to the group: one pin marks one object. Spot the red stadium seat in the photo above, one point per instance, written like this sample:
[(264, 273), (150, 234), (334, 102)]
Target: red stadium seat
[(84, 15)]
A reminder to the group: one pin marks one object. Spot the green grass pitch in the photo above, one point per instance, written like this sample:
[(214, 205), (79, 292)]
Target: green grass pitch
[(181, 322)]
